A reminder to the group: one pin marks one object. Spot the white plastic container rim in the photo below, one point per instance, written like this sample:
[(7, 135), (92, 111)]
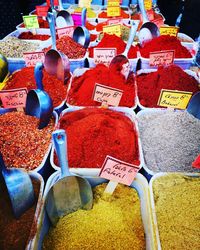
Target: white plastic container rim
[(152, 202), (141, 185), (95, 171), (146, 71)]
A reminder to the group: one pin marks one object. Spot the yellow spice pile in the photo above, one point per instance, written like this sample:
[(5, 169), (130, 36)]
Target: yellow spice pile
[(177, 201), (113, 223)]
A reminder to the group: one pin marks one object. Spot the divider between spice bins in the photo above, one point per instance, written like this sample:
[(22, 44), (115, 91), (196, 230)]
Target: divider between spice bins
[(146, 71), (139, 183), (139, 116), (152, 201), (95, 171)]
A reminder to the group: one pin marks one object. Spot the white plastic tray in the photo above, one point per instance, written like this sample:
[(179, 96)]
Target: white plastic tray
[(95, 171), (139, 183)]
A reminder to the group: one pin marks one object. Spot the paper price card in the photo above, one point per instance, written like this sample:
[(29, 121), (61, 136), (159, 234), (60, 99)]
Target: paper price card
[(174, 99), (113, 11), (84, 3), (169, 30), (56, 2), (113, 3), (161, 58), (115, 21), (104, 56), (148, 4), (107, 95), (65, 31), (119, 171), (15, 98), (113, 29), (42, 10), (31, 58), (31, 22)]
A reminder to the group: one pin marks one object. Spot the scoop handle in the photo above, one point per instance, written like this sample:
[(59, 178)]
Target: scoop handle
[(83, 17), (60, 143), (60, 5), (51, 20), (131, 38), (143, 11), (39, 75)]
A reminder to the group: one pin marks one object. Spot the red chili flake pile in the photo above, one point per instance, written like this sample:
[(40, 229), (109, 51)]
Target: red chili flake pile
[(123, 14), (165, 42), (113, 41), (69, 47), (22, 144), (90, 26), (83, 87), (30, 36), (25, 78), (94, 133), (172, 77)]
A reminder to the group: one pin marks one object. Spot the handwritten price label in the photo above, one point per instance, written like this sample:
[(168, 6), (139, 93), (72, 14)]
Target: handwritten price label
[(42, 10), (148, 4), (161, 58), (113, 11), (113, 3), (15, 98), (104, 56), (169, 30), (56, 3), (119, 171), (31, 22), (84, 3), (32, 58), (76, 18), (115, 21), (174, 99), (66, 31), (113, 29), (107, 95)]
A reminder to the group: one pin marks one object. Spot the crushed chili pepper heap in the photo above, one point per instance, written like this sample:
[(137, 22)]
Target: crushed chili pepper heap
[(172, 77), (94, 133), (30, 36), (69, 47), (25, 78), (22, 144), (123, 14), (113, 41), (82, 87), (165, 42)]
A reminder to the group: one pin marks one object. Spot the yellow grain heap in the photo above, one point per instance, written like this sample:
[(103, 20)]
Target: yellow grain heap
[(177, 201), (113, 223)]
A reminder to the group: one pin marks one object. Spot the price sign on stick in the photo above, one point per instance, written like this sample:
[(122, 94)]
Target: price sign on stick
[(113, 29), (84, 3), (113, 11), (117, 172), (159, 58), (104, 55), (15, 98), (169, 30), (65, 31), (113, 3), (174, 99), (31, 22), (148, 4), (42, 10), (32, 58), (107, 95)]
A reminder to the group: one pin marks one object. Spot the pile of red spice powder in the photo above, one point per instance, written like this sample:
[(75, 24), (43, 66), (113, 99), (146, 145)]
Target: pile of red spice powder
[(165, 42), (69, 47), (82, 88), (30, 36), (113, 41), (25, 78), (123, 14), (172, 77), (94, 133)]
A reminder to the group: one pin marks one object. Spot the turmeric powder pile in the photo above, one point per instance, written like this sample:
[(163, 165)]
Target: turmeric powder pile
[(114, 222)]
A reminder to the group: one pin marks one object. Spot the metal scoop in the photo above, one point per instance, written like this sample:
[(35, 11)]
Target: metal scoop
[(81, 35), (194, 105), (69, 193), (38, 102), (56, 63), (20, 188), (122, 60), (149, 29), (63, 18)]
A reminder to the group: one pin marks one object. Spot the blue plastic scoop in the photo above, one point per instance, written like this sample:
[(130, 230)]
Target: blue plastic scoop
[(194, 105), (38, 102), (69, 193), (20, 188)]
